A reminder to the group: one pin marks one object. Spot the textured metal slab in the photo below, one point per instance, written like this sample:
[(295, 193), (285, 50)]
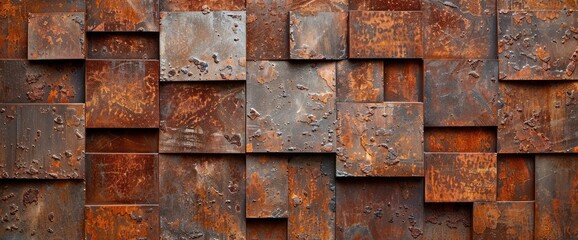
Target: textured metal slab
[(202, 196), (258, 229), (462, 139), (212, 50), (122, 94), (385, 5), (447, 221), (290, 107), (515, 178), (520, 5), (319, 35), (122, 140), (380, 208), (385, 34), (404, 80), (461, 92), (380, 139), (503, 220), (122, 222), (201, 5), (460, 177), (267, 186), (122, 16), (56, 36), (360, 81), (202, 117), (319, 5), (267, 31), (123, 45)]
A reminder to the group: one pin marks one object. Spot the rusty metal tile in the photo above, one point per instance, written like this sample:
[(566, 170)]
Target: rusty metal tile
[(202, 117), (461, 92), (122, 140), (122, 16), (385, 5), (538, 45), (267, 31), (56, 36), (380, 139), (503, 220), (123, 45), (360, 81), (460, 139), (460, 29), (319, 35), (290, 107), (404, 80), (538, 117), (319, 5), (380, 208), (202, 5), (515, 178), (447, 221), (121, 178), (122, 94), (42, 209), (258, 229), (519, 5), (212, 50), (122, 222), (267, 189), (311, 197), (202, 196), (460, 177)]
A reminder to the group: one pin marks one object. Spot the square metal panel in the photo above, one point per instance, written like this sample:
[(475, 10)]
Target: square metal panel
[(403, 80), (360, 81), (267, 186), (102, 45), (319, 35), (267, 29), (503, 220), (515, 177), (122, 222), (451, 221), (56, 36), (122, 16)]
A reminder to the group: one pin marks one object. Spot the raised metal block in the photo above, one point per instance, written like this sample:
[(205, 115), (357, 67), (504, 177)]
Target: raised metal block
[(385, 5), (319, 5), (258, 229), (515, 178), (123, 45), (404, 80), (360, 81), (267, 190), (537, 5), (503, 220), (448, 221), (122, 140), (319, 35), (56, 36), (122, 222), (122, 16), (202, 5), (462, 139)]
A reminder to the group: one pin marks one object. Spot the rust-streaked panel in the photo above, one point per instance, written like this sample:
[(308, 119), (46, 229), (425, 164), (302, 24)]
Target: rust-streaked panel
[(122, 94), (56, 36), (448, 221), (267, 186), (212, 50), (360, 81), (380, 139), (122, 16), (202, 196), (380, 208), (259, 229), (123, 45), (122, 140), (404, 80), (385, 34), (515, 178), (202, 117), (460, 177), (122, 222), (267, 29), (520, 5), (385, 5), (319, 5), (319, 35), (290, 107), (460, 139), (503, 220), (202, 5), (121, 178)]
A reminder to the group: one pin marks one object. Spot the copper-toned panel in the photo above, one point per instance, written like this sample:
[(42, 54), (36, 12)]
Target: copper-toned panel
[(267, 29), (385, 5), (123, 45), (537, 4), (404, 80), (319, 35), (259, 229), (122, 222), (202, 5), (319, 5), (462, 139), (360, 81), (448, 221), (122, 140), (122, 16), (503, 220), (515, 178), (56, 36), (267, 189)]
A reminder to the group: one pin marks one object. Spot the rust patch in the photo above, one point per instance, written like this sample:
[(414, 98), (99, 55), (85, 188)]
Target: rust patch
[(404, 80), (360, 81), (322, 35), (122, 222), (122, 16), (508, 220), (56, 36), (515, 178), (462, 139), (267, 29), (267, 190)]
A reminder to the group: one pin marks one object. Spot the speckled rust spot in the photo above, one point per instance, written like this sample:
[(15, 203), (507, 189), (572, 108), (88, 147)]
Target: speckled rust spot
[(267, 190), (122, 16), (322, 35), (503, 220), (360, 81), (404, 80), (122, 140), (537, 5), (122, 222), (56, 36), (258, 229), (515, 178), (200, 5), (385, 5), (123, 45), (462, 139), (449, 221)]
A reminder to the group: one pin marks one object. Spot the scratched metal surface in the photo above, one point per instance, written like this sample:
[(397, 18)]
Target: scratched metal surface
[(56, 36)]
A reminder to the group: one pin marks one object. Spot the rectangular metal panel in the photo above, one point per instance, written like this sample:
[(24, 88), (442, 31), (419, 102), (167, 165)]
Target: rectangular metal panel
[(503, 220), (385, 5), (448, 221), (404, 80), (462, 139), (122, 222), (267, 186), (360, 81), (202, 5), (122, 140), (122, 16), (537, 5), (123, 45), (319, 35), (267, 29), (515, 178), (319, 5), (259, 229), (56, 36)]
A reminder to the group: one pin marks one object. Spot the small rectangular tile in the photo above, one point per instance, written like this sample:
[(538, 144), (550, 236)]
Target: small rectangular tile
[(385, 5), (125, 45), (515, 177), (267, 29), (448, 221), (360, 81), (122, 222), (537, 5), (200, 5), (319, 35), (404, 80), (122, 16), (122, 140), (460, 139), (503, 220), (258, 229), (267, 186), (56, 36)]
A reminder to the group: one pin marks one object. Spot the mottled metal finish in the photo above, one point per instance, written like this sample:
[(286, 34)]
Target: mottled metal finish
[(462, 139), (290, 107), (122, 222), (460, 29), (447, 221), (460, 177), (259, 229), (360, 81), (123, 46), (122, 16), (380, 208), (404, 80), (122, 140), (503, 220), (42, 209), (385, 34), (461, 92), (380, 139), (267, 186), (319, 35), (537, 5), (122, 94), (214, 49), (202, 196), (122, 178), (201, 5), (202, 117), (385, 5), (515, 178), (538, 117), (538, 45), (56, 36), (311, 197), (267, 29), (319, 5)]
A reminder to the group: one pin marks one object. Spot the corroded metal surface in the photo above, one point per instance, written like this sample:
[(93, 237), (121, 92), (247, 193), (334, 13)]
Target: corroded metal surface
[(200, 5), (519, 5), (267, 29), (122, 16), (503, 220), (463, 139), (122, 140), (385, 5), (267, 186), (122, 222), (56, 36), (515, 178), (320, 35), (258, 229), (404, 80), (360, 81), (447, 221), (319, 5), (123, 46)]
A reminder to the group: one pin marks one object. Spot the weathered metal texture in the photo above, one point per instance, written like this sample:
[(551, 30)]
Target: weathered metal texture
[(556, 196), (43, 141), (42, 209), (519, 5), (122, 222), (259, 229), (503, 220), (462, 139), (122, 16), (122, 178), (447, 221), (404, 80), (360, 81), (122, 94), (123, 46), (201, 5), (460, 177), (267, 186), (212, 50), (385, 5), (122, 140), (318, 35), (380, 139), (202, 196), (290, 107), (538, 117), (56, 36), (538, 45), (47, 82), (380, 208), (267, 31), (461, 92), (319, 5), (460, 29), (515, 178), (202, 117), (311, 197), (385, 34)]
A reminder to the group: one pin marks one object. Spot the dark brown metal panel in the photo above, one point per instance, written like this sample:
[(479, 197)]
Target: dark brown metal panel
[(404, 80), (319, 5), (122, 222), (122, 16), (380, 139), (212, 50), (537, 5), (460, 177), (8, 126), (385, 5), (319, 35), (461, 92), (360, 81), (290, 107), (447, 221), (56, 36), (267, 189), (122, 94), (515, 178), (460, 29), (259, 229), (202, 196), (122, 140), (503, 220), (267, 29), (462, 139), (123, 45), (311, 197), (202, 117), (385, 34), (202, 5), (380, 208)]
